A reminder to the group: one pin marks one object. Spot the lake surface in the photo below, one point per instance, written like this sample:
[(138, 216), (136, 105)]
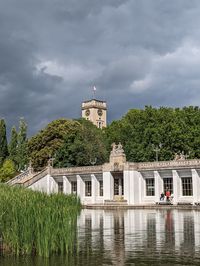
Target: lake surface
[(129, 237)]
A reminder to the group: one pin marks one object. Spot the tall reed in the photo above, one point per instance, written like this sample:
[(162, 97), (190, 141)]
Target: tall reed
[(36, 223)]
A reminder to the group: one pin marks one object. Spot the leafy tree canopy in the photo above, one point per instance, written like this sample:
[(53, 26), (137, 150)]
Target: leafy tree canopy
[(7, 171), (141, 131), (71, 143), (85, 146), (43, 145)]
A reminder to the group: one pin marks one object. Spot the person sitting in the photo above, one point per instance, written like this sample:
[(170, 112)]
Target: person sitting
[(162, 196), (167, 194)]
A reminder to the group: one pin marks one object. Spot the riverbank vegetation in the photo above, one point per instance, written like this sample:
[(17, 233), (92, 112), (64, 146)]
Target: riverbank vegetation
[(37, 223), (80, 143)]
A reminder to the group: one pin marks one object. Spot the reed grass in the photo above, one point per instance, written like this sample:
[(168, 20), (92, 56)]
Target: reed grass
[(36, 223)]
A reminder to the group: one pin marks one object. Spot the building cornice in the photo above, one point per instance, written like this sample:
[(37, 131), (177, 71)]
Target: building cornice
[(162, 165)]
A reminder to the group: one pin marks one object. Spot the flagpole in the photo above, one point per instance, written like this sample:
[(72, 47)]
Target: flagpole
[(94, 90)]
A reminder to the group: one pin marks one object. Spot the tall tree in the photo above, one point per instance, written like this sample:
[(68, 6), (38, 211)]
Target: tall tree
[(3, 141), (13, 145), (22, 159)]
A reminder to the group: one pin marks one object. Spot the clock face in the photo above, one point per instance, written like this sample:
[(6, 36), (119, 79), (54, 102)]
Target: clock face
[(87, 112), (100, 112)]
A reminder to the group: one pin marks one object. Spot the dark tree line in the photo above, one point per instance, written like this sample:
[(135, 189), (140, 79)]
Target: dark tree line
[(13, 155)]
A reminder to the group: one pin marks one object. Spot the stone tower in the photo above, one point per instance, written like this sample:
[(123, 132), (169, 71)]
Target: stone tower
[(95, 111)]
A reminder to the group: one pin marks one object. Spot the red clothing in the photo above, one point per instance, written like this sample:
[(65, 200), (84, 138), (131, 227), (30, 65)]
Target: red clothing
[(167, 194)]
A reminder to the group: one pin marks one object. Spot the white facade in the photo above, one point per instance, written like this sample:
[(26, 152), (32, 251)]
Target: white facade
[(123, 183)]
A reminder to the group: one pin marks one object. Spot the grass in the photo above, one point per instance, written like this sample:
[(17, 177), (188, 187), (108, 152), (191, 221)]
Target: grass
[(36, 223)]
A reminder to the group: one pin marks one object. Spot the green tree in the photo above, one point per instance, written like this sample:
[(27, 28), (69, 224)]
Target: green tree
[(85, 146), (13, 145), (44, 145), (141, 131), (3, 141), (22, 142), (7, 171)]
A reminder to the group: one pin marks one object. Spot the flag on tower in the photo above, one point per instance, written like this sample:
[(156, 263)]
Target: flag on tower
[(94, 90)]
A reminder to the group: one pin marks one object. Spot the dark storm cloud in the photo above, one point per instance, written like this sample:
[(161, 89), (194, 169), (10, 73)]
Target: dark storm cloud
[(135, 52)]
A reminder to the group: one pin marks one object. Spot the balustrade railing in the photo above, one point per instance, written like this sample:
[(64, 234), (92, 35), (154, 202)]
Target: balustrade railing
[(36, 177), (76, 170), (19, 177), (168, 164)]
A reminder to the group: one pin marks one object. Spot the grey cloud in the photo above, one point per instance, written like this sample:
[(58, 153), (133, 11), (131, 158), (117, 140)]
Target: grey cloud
[(135, 52)]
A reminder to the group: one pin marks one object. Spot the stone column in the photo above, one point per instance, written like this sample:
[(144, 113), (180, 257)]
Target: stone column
[(195, 185), (176, 186), (94, 188), (52, 186), (158, 185), (66, 185), (108, 183), (80, 188), (126, 175)]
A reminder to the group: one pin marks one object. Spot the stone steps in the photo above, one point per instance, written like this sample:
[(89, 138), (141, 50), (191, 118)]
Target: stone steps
[(115, 202)]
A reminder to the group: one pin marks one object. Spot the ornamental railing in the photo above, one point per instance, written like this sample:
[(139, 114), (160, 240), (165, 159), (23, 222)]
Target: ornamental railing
[(19, 177), (35, 178), (193, 163), (77, 170)]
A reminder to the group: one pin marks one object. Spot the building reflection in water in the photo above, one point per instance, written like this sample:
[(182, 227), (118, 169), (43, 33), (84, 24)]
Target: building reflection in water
[(121, 235)]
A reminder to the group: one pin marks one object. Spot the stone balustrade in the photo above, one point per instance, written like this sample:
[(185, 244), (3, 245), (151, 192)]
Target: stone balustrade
[(76, 170), (18, 178), (35, 178), (193, 163)]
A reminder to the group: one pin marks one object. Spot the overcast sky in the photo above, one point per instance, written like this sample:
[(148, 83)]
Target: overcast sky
[(136, 53)]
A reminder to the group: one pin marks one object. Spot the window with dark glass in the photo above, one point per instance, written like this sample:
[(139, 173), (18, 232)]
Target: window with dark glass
[(168, 184), (74, 187), (150, 187), (60, 187), (101, 188), (88, 188), (187, 186)]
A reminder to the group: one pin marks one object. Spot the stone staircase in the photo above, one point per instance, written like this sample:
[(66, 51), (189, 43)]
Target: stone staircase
[(27, 178), (17, 179)]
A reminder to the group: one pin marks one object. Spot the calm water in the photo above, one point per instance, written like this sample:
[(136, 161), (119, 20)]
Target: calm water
[(129, 237)]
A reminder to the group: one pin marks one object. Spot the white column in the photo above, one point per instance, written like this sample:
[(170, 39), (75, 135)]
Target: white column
[(94, 188), (80, 188), (135, 186), (66, 185), (108, 183), (127, 186), (158, 185), (195, 185), (176, 186)]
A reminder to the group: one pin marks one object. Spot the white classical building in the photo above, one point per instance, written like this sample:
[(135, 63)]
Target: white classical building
[(120, 182)]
